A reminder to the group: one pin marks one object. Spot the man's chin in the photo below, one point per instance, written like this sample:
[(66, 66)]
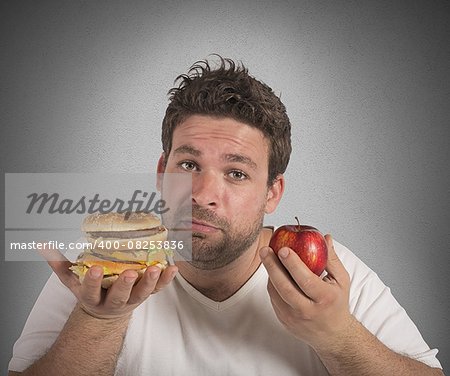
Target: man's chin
[(207, 254), (200, 261), (205, 264)]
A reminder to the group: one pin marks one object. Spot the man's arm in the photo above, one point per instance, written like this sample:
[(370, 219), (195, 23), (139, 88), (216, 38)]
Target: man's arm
[(86, 346), (316, 311), (359, 352), (91, 340)]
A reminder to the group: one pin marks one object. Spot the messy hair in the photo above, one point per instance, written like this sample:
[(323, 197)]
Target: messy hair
[(229, 91)]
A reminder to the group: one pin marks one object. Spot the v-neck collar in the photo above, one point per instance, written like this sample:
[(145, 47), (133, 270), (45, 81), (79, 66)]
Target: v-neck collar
[(227, 303)]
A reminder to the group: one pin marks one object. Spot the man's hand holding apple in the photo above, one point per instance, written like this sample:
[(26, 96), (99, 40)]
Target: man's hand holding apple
[(314, 309)]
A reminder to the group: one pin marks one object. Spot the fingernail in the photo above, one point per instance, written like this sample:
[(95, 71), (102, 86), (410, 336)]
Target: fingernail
[(263, 252), (155, 274), (283, 252), (129, 279), (173, 273), (95, 273)]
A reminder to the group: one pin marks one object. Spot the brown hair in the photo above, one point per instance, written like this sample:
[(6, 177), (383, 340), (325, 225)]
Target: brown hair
[(229, 91)]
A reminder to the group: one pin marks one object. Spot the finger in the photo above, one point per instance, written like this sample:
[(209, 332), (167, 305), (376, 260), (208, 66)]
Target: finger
[(90, 292), (50, 254), (119, 293), (277, 302), (272, 263), (309, 283), (281, 279), (335, 268), (167, 276), (151, 282), (60, 265), (146, 285)]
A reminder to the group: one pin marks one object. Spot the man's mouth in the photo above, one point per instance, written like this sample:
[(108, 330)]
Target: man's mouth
[(202, 226)]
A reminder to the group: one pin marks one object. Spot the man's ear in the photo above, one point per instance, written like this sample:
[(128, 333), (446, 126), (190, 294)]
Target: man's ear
[(274, 194), (160, 168)]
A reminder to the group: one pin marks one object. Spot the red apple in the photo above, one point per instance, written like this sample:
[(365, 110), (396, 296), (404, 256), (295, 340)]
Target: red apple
[(306, 241)]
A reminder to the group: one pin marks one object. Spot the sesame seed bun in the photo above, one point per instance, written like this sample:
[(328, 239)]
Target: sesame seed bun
[(127, 221)]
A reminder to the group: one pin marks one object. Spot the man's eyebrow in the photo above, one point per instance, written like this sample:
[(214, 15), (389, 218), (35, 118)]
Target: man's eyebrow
[(233, 158), (239, 158), (187, 149)]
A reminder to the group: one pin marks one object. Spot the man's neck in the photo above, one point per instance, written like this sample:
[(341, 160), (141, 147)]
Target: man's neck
[(222, 283)]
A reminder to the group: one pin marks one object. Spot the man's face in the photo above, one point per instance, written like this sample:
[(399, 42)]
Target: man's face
[(228, 161)]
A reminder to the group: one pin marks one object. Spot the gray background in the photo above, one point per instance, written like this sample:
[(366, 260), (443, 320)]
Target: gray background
[(366, 85)]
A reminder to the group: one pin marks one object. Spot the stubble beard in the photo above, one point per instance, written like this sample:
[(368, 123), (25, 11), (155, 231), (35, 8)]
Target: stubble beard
[(210, 252)]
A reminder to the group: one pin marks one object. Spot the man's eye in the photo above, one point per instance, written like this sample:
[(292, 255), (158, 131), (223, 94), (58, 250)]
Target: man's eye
[(238, 175), (188, 166)]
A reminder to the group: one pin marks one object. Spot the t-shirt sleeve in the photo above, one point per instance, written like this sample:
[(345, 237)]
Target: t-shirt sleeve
[(45, 322), (372, 303)]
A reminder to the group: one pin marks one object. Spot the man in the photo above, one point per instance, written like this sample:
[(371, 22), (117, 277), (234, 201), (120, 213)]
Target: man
[(236, 308)]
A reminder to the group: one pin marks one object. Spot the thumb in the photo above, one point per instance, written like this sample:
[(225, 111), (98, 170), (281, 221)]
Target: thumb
[(60, 266)]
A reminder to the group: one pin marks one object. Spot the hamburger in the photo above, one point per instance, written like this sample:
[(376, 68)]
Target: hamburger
[(121, 241)]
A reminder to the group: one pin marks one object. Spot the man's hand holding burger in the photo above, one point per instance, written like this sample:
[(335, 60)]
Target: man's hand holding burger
[(122, 297), (122, 267)]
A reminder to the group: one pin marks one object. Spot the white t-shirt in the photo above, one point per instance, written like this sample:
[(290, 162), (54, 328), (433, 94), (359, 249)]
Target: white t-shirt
[(179, 331)]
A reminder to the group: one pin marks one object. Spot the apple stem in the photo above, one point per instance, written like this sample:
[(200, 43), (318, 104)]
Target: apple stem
[(296, 218)]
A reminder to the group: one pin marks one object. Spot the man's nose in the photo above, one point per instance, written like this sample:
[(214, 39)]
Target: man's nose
[(206, 189)]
